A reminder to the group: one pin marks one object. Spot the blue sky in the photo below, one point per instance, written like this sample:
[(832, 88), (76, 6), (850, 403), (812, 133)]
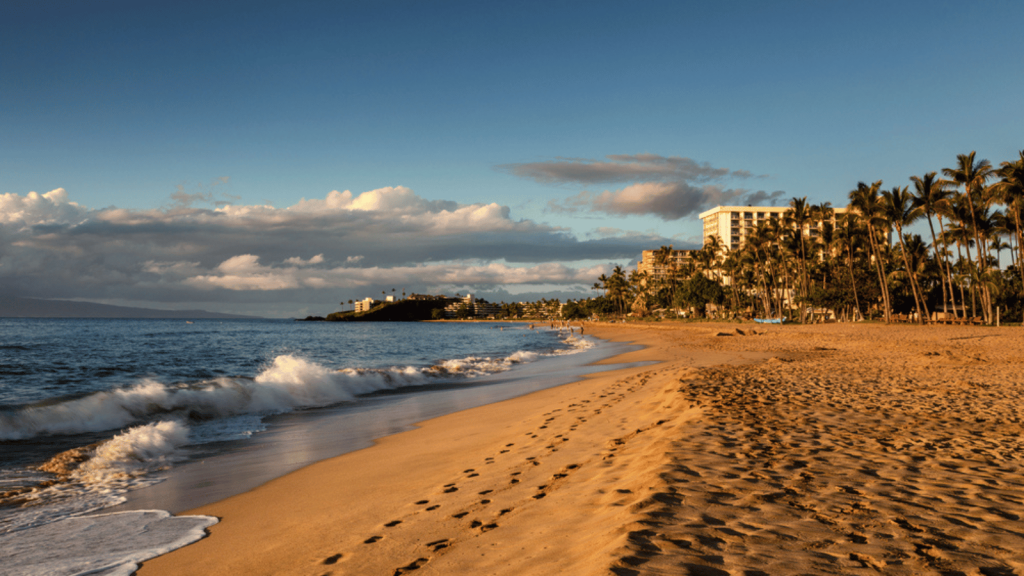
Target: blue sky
[(570, 120)]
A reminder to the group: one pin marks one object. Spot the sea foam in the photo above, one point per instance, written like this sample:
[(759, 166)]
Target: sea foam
[(108, 544)]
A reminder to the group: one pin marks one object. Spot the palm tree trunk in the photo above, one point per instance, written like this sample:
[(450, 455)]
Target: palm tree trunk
[(853, 281), (979, 247), (949, 268), (910, 275), (881, 274), (1020, 239), (939, 260)]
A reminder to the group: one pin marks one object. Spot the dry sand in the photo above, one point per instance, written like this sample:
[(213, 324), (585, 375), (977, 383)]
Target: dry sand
[(835, 449)]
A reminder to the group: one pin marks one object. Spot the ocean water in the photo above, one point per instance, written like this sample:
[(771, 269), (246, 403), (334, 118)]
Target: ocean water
[(107, 424)]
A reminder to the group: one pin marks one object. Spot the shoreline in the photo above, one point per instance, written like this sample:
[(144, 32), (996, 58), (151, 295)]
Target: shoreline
[(793, 449), (298, 439)]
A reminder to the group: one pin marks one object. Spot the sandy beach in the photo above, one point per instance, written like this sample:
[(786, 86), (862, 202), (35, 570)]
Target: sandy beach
[(828, 449)]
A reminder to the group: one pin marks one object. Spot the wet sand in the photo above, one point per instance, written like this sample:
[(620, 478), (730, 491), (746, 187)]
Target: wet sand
[(833, 449)]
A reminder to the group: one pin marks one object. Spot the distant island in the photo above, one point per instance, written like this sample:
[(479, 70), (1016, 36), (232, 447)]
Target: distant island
[(13, 307), (415, 308), (390, 311)]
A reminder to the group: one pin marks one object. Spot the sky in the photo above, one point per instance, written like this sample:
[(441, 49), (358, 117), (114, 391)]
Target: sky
[(281, 158)]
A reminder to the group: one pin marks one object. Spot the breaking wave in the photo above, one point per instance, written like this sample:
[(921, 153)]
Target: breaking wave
[(288, 383), (94, 477)]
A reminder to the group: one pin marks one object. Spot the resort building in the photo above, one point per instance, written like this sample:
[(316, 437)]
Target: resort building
[(477, 308), (365, 304), (659, 271), (732, 224)]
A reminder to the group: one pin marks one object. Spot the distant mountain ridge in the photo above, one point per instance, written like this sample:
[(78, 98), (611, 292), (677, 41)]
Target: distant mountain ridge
[(12, 307)]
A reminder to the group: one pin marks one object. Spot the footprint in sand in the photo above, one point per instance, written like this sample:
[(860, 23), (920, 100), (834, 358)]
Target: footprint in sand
[(332, 560), (372, 540), (393, 523), (438, 544), (414, 565), (460, 515), (434, 507)]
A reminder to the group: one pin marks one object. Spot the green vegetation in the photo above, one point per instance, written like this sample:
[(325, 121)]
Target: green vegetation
[(850, 264)]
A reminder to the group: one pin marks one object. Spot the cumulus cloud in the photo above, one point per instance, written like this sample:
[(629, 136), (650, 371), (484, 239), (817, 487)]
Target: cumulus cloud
[(296, 261), (343, 245), (667, 187)]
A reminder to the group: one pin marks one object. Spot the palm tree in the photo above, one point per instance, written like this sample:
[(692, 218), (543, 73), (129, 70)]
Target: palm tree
[(930, 194), (616, 287), (1010, 191), (847, 234), (797, 218), (823, 235), (898, 206), (350, 303), (972, 176), (714, 246), (639, 281), (866, 201), (663, 261)]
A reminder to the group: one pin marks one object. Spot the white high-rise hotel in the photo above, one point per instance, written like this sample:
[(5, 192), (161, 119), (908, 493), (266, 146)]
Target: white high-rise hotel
[(734, 223)]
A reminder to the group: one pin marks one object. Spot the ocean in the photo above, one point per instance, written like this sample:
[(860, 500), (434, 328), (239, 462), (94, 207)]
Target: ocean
[(108, 427)]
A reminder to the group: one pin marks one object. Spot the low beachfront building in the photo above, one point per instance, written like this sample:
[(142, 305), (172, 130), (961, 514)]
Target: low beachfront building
[(476, 308), (365, 304)]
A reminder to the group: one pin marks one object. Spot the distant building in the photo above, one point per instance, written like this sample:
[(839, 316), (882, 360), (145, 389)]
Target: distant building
[(659, 271), (365, 304), (477, 308), (733, 224)]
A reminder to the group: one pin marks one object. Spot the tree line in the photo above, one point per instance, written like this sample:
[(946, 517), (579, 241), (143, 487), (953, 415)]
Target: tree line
[(861, 263)]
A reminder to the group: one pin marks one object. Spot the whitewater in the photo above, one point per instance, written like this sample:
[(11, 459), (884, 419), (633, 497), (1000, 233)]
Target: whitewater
[(97, 416)]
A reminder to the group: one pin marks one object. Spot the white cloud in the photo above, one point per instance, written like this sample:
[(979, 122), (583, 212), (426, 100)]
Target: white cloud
[(297, 261), (317, 251), (245, 273), (33, 209)]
